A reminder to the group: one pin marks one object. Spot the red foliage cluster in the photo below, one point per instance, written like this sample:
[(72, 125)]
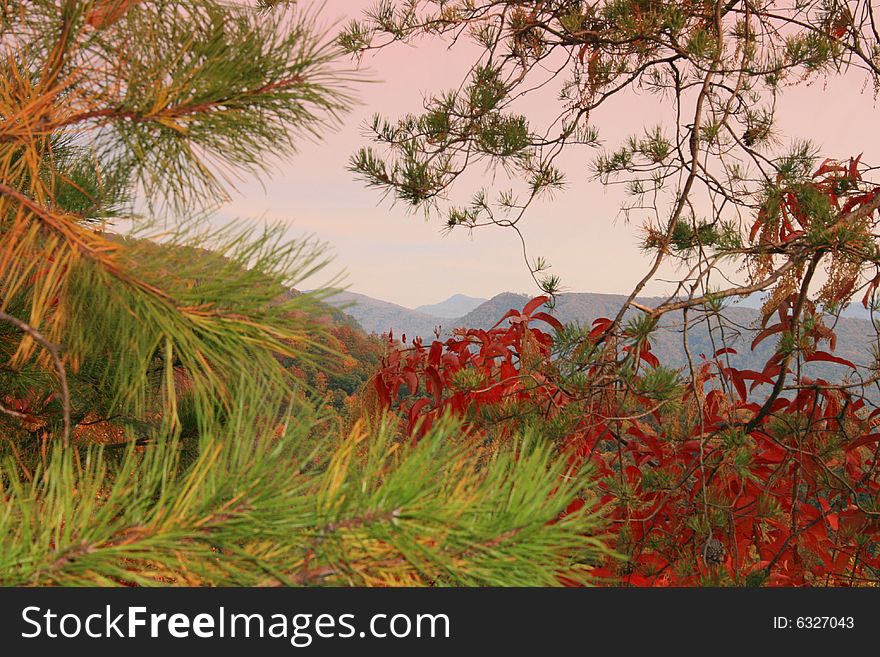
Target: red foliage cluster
[(835, 181), (708, 487), (493, 356)]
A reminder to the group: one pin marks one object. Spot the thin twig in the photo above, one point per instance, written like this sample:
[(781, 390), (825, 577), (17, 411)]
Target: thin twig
[(54, 352)]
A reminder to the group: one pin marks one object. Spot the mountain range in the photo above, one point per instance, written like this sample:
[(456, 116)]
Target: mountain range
[(455, 306), (856, 337)]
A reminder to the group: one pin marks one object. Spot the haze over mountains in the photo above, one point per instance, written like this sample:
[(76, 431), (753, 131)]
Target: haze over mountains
[(455, 306), (856, 337)]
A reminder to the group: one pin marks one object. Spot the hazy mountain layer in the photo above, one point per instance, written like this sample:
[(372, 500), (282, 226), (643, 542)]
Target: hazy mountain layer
[(455, 306), (855, 337)]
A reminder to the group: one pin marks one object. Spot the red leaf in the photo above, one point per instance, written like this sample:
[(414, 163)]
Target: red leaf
[(649, 358), (861, 441), (737, 379), (107, 12), (435, 384), (756, 227), (854, 167), (412, 381), (434, 353), (574, 506), (825, 356), (509, 313), (828, 166), (599, 327), (415, 412), (534, 304), (549, 319), (382, 390), (757, 377), (494, 350), (776, 328), (830, 517)]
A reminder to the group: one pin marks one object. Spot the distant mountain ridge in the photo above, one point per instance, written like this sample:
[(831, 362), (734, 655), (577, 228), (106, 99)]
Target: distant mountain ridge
[(376, 316), (855, 336), (455, 306)]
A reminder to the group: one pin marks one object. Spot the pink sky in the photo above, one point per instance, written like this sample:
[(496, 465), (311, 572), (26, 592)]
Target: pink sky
[(390, 254)]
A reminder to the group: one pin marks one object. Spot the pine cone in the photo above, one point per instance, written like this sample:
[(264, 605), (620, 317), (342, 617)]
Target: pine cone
[(713, 552)]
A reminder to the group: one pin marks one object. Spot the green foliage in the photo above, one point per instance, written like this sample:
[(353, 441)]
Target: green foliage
[(253, 508), (158, 397), (238, 328), (661, 383)]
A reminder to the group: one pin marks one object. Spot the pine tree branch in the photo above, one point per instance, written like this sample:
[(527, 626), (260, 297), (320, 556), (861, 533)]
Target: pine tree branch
[(112, 113), (11, 412), (53, 350)]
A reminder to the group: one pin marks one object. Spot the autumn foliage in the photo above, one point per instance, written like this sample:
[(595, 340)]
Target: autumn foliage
[(711, 476), (703, 489)]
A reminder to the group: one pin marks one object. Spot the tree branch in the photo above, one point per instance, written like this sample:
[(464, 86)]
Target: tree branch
[(53, 350)]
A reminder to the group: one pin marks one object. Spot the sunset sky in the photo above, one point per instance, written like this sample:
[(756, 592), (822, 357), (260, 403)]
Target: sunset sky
[(391, 254)]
